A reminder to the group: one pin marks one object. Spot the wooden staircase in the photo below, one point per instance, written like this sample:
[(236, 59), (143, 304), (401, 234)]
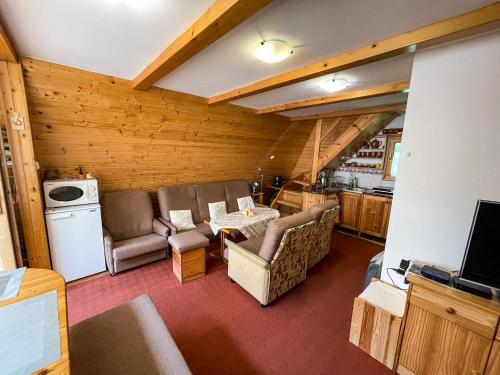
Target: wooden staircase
[(289, 197)]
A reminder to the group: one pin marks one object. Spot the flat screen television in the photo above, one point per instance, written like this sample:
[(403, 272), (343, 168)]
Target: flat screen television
[(481, 263)]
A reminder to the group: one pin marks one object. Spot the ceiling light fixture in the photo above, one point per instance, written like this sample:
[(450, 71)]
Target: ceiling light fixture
[(335, 84), (272, 51)]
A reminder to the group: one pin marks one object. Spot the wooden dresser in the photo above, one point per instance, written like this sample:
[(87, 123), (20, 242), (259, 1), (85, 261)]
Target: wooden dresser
[(448, 332)]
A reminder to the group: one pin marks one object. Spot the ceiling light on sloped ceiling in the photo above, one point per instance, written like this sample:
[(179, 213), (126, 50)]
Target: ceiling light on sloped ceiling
[(334, 84), (272, 51)]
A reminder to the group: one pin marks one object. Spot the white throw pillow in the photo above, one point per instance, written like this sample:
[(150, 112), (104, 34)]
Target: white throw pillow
[(182, 219), (217, 209), (245, 202)]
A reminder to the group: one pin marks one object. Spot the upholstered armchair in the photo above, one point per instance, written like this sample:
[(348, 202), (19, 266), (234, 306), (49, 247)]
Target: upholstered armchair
[(325, 215), (132, 236), (268, 266)]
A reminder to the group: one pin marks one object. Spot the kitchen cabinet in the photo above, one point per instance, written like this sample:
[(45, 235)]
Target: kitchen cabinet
[(350, 206), (375, 211), (448, 331), (493, 366), (310, 199)]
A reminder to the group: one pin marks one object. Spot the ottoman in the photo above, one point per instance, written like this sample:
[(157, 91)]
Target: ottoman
[(188, 255)]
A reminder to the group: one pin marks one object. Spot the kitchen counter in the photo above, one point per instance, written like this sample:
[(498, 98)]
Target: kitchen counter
[(336, 190)]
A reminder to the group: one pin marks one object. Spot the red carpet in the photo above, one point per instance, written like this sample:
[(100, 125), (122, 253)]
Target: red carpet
[(220, 329)]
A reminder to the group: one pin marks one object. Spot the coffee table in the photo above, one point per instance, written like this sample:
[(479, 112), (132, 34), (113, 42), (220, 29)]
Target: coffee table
[(249, 226)]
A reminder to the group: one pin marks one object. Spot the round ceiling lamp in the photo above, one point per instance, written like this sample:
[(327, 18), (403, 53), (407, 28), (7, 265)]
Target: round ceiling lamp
[(272, 51), (334, 84)]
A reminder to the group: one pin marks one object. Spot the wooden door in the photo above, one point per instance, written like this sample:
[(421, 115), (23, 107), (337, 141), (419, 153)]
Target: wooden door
[(350, 204), (374, 215), (444, 336)]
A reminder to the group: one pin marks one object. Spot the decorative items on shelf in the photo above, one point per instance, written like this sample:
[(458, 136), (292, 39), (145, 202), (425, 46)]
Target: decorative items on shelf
[(392, 131), (370, 154), (359, 170), (375, 143)]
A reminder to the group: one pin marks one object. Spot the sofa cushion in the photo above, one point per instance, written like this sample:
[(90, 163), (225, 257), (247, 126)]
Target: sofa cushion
[(205, 230), (208, 193), (179, 197), (245, 202), (182, 219), (318, 209), (139, 245), (186, 241), (275, 231), (216, 209), (235, 190), (129, 339), (127, 214), (253, 245)]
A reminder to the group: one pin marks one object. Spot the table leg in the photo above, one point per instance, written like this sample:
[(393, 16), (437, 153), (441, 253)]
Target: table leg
[(222, 244)]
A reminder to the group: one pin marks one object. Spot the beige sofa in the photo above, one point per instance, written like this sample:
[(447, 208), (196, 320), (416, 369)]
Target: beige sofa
[(325, 214), (132, 236), (129, 339), (196, 198), (268, 266)]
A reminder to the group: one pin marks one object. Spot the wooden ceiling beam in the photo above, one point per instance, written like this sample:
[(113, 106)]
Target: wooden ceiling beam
[(369, 92), (217, 21), (467, 24), (7, 52), (398, 107), (364, 127)]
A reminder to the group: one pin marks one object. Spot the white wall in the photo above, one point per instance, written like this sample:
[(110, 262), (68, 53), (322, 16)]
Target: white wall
[(450, 152)]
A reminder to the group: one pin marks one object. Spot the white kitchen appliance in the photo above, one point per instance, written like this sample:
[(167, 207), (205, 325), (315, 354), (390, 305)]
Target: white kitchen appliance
[(70, 192), (76, 241)]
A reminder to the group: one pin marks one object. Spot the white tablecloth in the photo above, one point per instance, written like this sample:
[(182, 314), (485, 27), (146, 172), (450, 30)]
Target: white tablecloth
[(250, 227)]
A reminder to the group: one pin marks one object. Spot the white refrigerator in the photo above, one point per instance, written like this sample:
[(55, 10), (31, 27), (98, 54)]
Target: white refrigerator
[(76, 242)]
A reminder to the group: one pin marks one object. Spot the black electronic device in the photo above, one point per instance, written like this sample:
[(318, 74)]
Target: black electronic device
[(481, 263), (435, 274), (472, 288), (277, 181)]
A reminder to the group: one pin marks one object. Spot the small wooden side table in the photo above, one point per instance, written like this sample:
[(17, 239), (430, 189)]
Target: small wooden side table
[(223, 232), (39, 281), (258, 197)]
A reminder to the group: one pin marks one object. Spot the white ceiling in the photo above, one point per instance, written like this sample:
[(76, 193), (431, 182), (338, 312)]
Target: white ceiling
[(362, 103), (121, 37), (113, 37), (386, 71)]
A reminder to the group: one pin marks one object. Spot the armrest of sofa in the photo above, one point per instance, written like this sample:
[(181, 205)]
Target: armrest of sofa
[(245, 254), (171, 227), (108, 239), (250, 271), (108, 249), (160, 228)]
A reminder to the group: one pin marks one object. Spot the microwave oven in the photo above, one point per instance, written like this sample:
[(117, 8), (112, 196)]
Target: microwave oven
[(70, 192)]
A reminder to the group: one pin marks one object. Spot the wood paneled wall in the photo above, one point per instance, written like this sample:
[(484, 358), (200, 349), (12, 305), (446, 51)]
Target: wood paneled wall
[(132, 139), (304, 161)]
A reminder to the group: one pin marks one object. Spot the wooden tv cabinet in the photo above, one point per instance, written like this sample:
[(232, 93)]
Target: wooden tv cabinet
[(448, 332)]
